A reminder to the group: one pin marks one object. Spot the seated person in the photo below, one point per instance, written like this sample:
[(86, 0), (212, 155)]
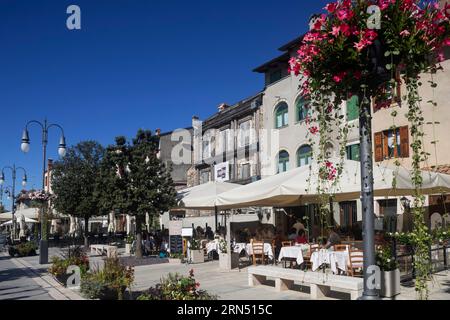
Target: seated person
[(292, 234), (301, 238), (209, 234), (333, 238)]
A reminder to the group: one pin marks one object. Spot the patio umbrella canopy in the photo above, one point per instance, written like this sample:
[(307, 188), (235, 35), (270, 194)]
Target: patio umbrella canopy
[(27, 220), (298, 186), (203, 197)]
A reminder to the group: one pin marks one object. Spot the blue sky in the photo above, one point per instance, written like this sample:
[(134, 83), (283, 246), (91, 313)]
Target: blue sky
[(134, 64)]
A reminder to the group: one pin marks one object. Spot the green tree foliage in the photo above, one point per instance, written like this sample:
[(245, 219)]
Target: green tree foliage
[(74, 179), (135, 182)]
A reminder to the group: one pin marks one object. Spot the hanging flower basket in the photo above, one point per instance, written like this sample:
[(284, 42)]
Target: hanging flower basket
[(368, 48)]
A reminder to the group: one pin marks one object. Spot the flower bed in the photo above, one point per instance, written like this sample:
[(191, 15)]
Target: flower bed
[(177, 287), (110, 283), (23, 249)]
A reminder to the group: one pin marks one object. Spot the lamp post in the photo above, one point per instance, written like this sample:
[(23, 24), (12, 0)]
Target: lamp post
[(13, 191), (25, 146)]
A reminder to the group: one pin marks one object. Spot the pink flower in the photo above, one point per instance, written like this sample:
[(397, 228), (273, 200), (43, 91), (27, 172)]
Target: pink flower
[(405, 33), (331, 7), (336, 31), (313, 130), (357, 74), (328, 164), (360, 45), (446, 42), (345, 29), (440, 56), (339, 77), (344, 14)]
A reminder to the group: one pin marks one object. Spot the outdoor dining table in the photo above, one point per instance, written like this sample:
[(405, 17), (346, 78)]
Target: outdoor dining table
[(247, 247), (294, 252), (213, 246), (336, 260)]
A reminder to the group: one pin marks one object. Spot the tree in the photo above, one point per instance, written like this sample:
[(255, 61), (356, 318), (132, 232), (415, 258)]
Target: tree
[(74, 179), (135, 182)]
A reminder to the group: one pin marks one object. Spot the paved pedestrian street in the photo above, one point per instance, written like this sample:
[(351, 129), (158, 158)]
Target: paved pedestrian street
[(16, 283)]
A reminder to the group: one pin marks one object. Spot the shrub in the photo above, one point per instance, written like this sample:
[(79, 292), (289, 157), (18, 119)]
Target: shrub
[(177, 287), (109, 283), (73, 257), (23, 249), (385, 259)]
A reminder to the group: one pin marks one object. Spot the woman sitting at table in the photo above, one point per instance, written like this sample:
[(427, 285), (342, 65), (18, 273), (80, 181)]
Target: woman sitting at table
[(301, 238)]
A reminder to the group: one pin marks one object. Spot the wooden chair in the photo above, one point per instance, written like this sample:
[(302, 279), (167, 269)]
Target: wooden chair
[(286, 243), (258, 252), (340, 247), (307, 259), (355, 267)]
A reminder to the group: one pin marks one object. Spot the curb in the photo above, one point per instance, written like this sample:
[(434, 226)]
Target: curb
[(46, 281)]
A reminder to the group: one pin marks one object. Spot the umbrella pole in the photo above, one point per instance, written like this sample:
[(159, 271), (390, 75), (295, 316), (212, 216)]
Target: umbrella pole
[(215, 215)]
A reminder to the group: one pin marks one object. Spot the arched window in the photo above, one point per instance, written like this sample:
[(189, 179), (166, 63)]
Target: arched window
[(304, 155), (281, 115), (302, 109), (283, 161)]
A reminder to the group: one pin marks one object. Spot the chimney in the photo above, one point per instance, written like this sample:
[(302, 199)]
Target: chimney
[(223, 106), (158, 131)]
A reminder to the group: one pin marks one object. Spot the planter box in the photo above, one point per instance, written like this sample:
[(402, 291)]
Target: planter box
[(197, 256), (390, 283), (224, 263), (175, 260), (127, 248)]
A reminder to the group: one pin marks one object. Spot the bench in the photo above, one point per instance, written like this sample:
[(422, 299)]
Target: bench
[(319, 283), (99, 249)]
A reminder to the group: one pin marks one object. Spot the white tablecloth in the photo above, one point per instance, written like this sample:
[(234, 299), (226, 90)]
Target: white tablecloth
[(213, 246), (336, 260), (295, 252), (238, 247)]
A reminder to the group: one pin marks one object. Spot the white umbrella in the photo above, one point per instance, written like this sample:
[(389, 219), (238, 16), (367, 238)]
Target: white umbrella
[(22, 226), (10, 222), (298, 186), (112, 222), (203, 196)]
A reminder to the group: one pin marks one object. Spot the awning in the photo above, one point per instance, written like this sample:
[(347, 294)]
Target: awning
[(32, 213), (299, 186), (203, 196)]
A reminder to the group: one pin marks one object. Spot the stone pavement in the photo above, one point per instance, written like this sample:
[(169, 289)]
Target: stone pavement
[(232, 285), (25, 278)]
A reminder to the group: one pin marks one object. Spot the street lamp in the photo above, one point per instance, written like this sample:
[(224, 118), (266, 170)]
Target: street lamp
[(12, 194), (25, 146)]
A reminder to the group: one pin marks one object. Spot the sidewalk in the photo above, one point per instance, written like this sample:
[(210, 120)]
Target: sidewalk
[(25, 278)]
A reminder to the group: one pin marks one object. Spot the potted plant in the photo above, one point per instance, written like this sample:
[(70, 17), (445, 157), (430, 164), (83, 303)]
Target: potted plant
[(196, 252), (224, 262), (390, 273), (176, 258), (129, 244)]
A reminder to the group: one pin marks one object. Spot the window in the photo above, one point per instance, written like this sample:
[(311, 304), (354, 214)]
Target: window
[(302, 109), (304, 155), (223, 140), (353, 152), (274, 76), (281, 115), (245, 171), (392, 144), (388, 207), (348, 213), (244, 133), (352, 108), (204, 177), (283, 161), (389, 94)]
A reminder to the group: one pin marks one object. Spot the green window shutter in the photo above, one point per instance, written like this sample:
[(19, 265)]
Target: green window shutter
[(352, 108)]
